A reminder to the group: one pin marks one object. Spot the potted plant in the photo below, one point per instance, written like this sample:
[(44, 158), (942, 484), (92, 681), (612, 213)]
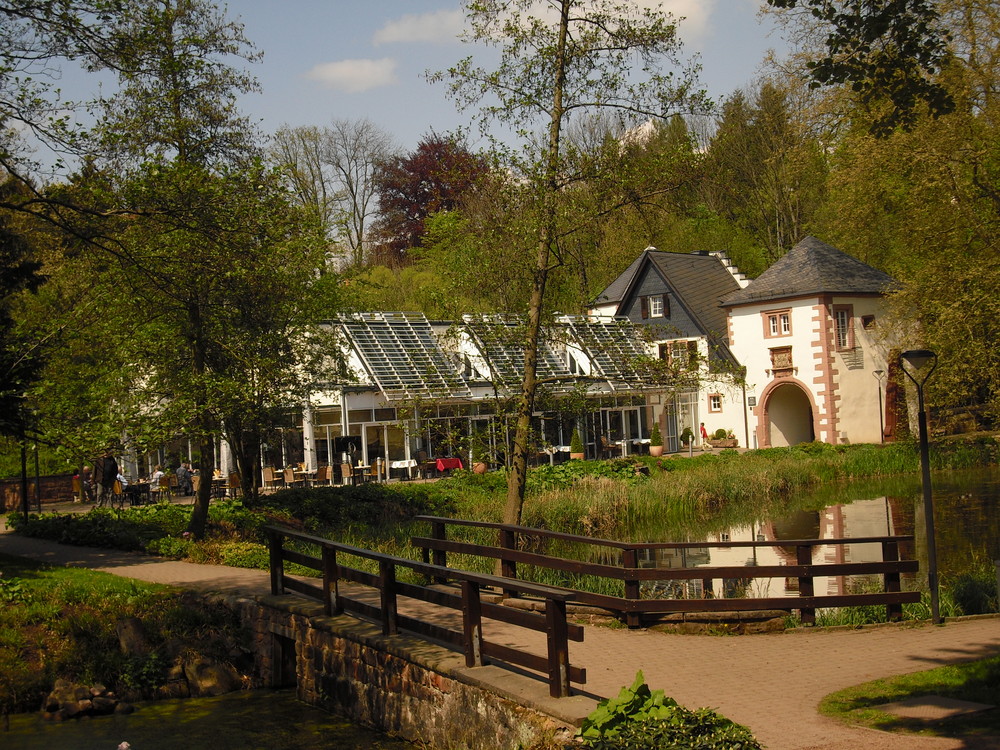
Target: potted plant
[(479, 463), (686, 436), (576, 445), (723, 438), (655, 440)]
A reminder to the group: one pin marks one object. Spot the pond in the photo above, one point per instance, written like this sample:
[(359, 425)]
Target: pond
[(265, 719), (967, 530)]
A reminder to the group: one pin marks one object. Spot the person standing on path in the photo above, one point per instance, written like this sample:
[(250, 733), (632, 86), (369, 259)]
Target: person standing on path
[(104, 476)]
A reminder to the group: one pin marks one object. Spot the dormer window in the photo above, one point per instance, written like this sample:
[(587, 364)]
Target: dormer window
[(655, 306)]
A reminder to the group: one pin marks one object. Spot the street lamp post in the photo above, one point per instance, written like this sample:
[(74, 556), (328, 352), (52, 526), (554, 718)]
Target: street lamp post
[(922, 363), (880, 376)]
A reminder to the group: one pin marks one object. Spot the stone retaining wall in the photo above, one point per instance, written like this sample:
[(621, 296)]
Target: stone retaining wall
[(399, 684), (52, 489)]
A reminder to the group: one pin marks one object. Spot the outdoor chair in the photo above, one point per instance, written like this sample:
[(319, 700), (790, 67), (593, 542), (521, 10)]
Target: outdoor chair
[(347, 474), (291, 480), (270, 479), (322, 475), (235, 486)]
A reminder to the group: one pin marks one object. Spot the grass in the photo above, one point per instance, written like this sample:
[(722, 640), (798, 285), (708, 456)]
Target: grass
[(61, 622), (977, 681)]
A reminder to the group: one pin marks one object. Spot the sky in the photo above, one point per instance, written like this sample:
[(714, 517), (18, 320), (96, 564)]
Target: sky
[(353, 59)]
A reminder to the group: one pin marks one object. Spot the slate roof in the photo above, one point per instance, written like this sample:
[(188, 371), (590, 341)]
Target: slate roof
[(812, 267), (700, 281)]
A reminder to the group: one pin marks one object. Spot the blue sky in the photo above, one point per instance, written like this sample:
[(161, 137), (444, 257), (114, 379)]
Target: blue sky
[(326, 59)]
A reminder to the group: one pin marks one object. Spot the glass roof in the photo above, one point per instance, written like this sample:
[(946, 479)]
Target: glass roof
[(500, 340), (611, 344), (402, 355)]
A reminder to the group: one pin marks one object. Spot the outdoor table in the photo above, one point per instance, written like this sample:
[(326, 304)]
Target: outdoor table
[(409, 464), (447, 464)]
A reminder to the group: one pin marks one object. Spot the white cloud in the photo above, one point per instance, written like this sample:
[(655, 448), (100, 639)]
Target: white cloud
[(441, 26), (355, 76), (696, 13)]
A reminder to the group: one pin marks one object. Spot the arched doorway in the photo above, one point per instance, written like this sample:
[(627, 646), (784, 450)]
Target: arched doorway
[(788, 415)]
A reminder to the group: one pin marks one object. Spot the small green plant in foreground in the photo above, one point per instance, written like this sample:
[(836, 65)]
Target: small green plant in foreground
[(642, 718)]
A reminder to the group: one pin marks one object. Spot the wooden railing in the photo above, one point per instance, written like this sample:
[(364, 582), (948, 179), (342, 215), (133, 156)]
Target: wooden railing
[(336, 599), (634, 607)]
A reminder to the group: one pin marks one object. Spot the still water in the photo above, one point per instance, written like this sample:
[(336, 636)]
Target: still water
[(264, 719), (966, 516)]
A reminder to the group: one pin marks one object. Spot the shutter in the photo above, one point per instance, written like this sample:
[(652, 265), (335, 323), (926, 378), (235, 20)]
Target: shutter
[(666, 306), (644, 306)]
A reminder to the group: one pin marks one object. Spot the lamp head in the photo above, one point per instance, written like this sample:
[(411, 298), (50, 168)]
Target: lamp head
[(920, 360)]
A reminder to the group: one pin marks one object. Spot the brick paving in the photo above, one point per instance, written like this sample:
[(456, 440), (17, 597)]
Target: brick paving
[(771, 683)]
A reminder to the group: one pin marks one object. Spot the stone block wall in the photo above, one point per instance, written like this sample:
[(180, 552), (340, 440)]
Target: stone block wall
[(399, 684)]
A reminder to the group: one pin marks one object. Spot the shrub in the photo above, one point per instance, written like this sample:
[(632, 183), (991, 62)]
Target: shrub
[(642, 718), (655, 438), (575, 443), (720, 434)]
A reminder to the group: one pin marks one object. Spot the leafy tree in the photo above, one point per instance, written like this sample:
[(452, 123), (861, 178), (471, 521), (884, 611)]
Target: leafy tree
[(211, 271), (557, 63), (20, 360), (434, 177), (762, 171), (887, 51)]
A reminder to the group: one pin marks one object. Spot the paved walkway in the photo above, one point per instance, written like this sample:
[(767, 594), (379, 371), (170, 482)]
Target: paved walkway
[(771, 683)]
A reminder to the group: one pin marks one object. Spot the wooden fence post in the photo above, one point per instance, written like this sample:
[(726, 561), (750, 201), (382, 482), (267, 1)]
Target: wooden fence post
[(472, 624), (276, 562), (803, 556), (890, 553), (508, 568), (331, 583), (558, 648), (387, 586), (439, 556), (630, 559)]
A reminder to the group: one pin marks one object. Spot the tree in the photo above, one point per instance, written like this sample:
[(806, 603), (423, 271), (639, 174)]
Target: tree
[(213, 269), (436, 176), (555, 66), (888, 52), (763, 172), (332, 170)]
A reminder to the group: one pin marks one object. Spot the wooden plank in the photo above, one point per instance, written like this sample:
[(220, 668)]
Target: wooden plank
[(308, 561), (666, 606), (533, 662), (307, 589)]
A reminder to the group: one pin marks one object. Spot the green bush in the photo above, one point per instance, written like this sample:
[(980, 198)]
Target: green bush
[(719, 434), (575, 443), (642, 718), (372, 504)]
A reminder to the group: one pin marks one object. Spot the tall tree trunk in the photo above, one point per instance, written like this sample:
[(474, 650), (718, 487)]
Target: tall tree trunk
[(517, 479), (199, 514)]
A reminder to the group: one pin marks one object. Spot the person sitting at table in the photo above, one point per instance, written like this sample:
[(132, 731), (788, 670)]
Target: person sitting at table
[(154, 478), (184, 479)]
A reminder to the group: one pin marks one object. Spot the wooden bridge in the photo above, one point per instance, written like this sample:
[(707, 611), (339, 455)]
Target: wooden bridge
[(375, 596)]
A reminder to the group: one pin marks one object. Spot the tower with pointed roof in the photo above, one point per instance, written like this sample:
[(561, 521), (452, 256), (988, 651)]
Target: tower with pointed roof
[(808, 332)]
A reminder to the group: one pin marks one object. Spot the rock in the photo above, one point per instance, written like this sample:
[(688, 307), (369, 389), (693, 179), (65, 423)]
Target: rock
[(124, 708), (104, 705), (132, 638), (207, 678), (97, 689)]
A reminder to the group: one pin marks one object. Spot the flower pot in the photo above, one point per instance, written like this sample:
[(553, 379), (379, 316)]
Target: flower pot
[(577, 456), (656, 450), (480, 467)]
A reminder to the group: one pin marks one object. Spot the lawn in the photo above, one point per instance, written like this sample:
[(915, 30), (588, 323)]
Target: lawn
[(976, 681)]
